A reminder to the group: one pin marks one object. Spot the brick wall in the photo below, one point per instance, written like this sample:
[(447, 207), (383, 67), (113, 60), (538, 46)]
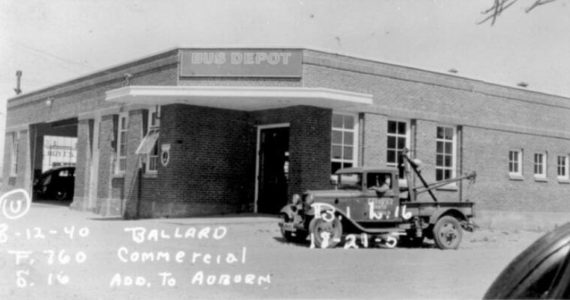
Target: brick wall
[(23, 173), (212, 166), (487, 152), (441, 98), (212, 158), (86, 94), (493, 119), (110, 186), (374, 140), (83, 99), (132, 179), (7, 162), (82, 174), (210, 169), (426, 152), (309, 144)]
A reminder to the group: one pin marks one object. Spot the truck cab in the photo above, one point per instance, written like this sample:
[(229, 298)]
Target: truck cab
[(378, 194)]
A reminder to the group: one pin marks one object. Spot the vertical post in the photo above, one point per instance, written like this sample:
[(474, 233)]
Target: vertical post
[(139, 187), (413, 145), (460, 159), (361, 145)]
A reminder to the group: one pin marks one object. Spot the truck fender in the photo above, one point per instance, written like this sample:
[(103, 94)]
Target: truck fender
[(343, 217), (289, 211), (447, 211)]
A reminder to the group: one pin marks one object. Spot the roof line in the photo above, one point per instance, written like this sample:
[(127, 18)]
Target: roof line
[(112, 68), (116, 67), (455, 76)]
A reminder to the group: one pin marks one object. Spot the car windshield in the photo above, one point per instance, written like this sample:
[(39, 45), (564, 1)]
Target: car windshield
[(350, 181)]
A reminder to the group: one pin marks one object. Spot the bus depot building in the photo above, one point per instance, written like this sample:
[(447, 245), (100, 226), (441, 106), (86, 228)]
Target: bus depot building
[(209, 131)]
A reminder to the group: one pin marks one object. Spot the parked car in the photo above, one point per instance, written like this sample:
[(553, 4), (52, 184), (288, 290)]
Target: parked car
[(56, 184), (542, 271)]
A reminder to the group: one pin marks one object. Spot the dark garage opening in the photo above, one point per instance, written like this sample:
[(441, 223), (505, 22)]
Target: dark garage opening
[(54, 156)]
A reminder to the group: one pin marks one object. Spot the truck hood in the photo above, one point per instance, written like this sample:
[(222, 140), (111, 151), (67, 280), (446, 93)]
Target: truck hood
[(334, 193)]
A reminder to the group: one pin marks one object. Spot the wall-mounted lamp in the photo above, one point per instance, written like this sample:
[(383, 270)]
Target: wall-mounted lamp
[(18, 89)]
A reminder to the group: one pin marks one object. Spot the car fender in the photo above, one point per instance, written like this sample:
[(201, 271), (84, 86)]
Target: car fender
[(350, 220), (519, 278), (447, 211), (289, 211)]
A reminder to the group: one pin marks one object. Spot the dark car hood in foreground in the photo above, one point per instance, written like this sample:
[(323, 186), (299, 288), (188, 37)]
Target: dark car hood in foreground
[(542, 271)]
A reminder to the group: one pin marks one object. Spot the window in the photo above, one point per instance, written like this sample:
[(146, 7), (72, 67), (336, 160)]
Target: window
[(14, 149), (397, 141), (121, 165), (562, 167), (349, 181), (66, 173), (445, 153), (153, 128), (343, 141), (540, 165), (515, 163)]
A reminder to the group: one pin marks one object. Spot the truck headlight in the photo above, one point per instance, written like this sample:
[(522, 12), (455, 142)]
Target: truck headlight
[(309, 198), (295, 199)]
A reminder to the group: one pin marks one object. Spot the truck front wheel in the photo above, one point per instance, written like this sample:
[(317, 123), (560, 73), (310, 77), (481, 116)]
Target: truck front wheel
[(447, 233), (325, 234)]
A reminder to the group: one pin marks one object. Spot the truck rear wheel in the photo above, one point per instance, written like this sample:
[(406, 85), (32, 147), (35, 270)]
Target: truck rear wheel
[(325, 234), (447, 233)]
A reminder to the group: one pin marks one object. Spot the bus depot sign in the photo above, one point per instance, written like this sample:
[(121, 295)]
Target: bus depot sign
[(276, 63)]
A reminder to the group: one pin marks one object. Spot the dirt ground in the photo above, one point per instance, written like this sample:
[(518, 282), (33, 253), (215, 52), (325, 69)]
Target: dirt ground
[(56, 253)]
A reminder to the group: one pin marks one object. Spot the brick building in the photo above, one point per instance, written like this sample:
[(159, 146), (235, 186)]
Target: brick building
[(208, 131)]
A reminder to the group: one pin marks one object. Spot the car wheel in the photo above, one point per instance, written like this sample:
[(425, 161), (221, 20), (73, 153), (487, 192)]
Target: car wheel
[(447, 233), (60, 195), (325, 234)]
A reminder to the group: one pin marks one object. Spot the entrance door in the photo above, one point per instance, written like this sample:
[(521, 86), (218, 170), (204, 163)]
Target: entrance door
[(273, 169)]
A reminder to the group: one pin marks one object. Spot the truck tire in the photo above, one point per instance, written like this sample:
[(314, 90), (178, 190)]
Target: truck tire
[(325, 234), (447, 233)]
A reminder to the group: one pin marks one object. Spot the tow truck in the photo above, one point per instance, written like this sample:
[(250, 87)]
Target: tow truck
[(377, 206)]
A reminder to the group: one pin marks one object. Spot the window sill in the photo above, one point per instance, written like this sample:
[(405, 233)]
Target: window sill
[(517, 177), (119, 175), (563, 180), (540, 179)]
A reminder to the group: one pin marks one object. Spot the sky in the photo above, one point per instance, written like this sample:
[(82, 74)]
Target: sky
[(53, 41)]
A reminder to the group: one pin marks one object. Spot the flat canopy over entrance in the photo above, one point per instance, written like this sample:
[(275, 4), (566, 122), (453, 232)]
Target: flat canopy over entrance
[(239, 98)]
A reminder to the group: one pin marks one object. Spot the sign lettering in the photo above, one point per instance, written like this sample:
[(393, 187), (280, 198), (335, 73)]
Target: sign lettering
[(278, 63)]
